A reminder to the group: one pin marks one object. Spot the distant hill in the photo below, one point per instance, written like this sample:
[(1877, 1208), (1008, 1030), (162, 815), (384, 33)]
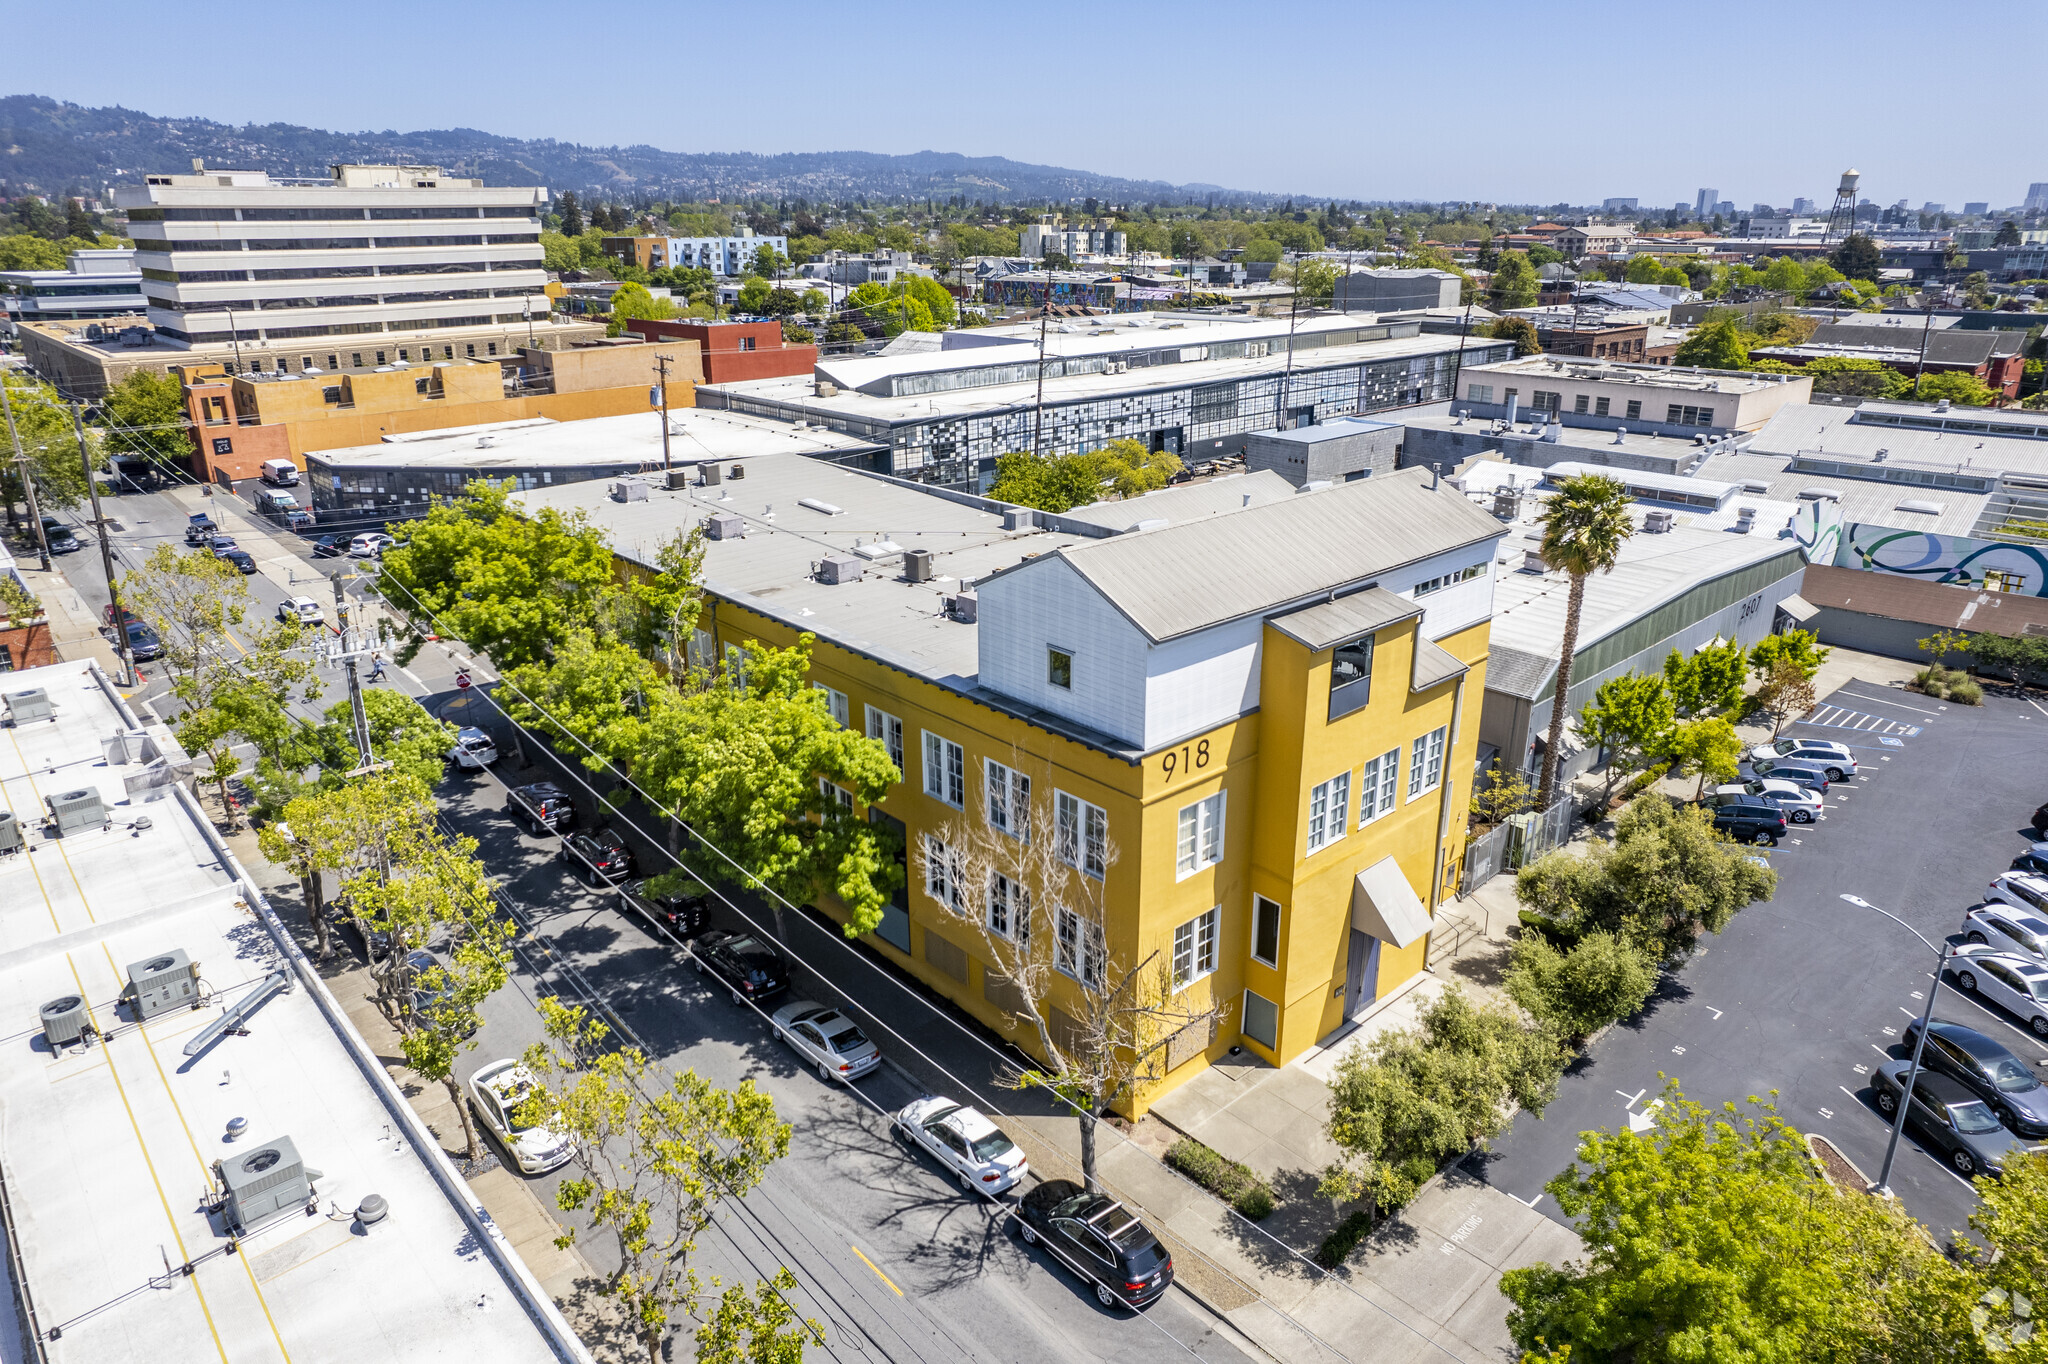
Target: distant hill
[(47, 146)]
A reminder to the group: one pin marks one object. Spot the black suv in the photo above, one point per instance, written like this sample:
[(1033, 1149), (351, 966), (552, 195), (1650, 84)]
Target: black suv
[(750, 968), (1749, 819), (599, 855), (542, 807), (1099, 1239), (1988, 1069), (684, 916)]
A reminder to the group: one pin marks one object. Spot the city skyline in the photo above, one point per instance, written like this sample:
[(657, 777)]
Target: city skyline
[(896, 81)]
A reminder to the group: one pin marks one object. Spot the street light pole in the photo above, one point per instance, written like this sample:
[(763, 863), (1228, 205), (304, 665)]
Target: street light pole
[(1883, 1186)]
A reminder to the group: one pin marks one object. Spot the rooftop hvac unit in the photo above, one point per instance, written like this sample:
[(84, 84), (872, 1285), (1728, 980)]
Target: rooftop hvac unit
[(64, 1020), (31, 704), (917, 566), (1532, 562), (714, 474), (1657, 522), (126, 746), (724, 526), (1745, 517), (962, 606), (267, 1180), (628, 492), (739, 471), (679, 479), (1506, 502), (75, 810), (1019, 518), (10, 832), (841, 568), (162, 984)]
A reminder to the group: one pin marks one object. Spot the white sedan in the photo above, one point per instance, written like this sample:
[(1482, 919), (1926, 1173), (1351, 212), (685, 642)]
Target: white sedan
[(2018, 983), (828, 1039), (303, 610), (967, 1144), (496, 1092)]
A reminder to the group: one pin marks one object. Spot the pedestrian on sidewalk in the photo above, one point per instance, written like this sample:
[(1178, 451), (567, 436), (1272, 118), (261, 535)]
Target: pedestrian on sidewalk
[(376, 667)]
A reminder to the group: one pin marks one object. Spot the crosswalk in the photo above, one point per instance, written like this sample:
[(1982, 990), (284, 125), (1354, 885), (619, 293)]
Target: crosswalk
[(1835, 717)]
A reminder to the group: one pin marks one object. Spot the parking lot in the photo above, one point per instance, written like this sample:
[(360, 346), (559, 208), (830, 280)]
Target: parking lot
[(1805, 995)]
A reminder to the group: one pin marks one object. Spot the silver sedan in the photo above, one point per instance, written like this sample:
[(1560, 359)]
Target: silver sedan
[(828, 1039), (970, 1147), (2019, 984)]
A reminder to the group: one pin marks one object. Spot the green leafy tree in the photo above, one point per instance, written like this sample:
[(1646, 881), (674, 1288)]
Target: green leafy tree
[(1628, 719), (49, 444), (1263, 250), (1856, 377), (754, 295), (769, 262), (1709, 744), (1801, 646), (634, 301), (1058, 482), (1960, 388), (23, 251), (2008, 234), (1598, 980), (1514, 283), (814, 302), (1521, 331), (1707, 681), (1666, 879), (1055, 260), (1711, 1237), (656, 1158), (1412, 1099), (1857, 257), (757, 1327), (1786, 694), (559, 253), (1584, 526), (145, 415), (1714, 345), (1316, 281), (349, 830)]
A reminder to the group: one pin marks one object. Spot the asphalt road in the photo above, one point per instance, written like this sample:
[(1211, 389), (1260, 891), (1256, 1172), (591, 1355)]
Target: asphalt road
[(1805, 994), (891, 1257)]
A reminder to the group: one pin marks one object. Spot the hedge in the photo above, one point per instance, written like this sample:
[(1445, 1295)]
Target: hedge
[(1228, 1180)]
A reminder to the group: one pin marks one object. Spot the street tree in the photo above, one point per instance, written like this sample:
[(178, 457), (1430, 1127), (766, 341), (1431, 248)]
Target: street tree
[(49, 446), (1666, 879), (1711, 1237), (757, 1327), (145, 415), (1412, 1099), (1584, 526), (1707, 681), (1786, 694), (656, 1157), (1709, 744), (1714, 345), (1521, 331), (1628, 719), (1857, 257), (1099, 1020), (348, 831), (1583, 987), (1801, 646), (1514, 283)]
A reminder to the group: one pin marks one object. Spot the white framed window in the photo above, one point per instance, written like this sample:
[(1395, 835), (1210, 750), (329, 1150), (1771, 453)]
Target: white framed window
[(945, 770), (736, 667), (835, 793), (1009, 907), (835, 701), (1083, 834), (1201, 833), (1376, 787), (702, 650), (1426, 763), (1194, 947), (1439, 583), (1059, 667), (1329, 804), (942, 874), (1265, 931), (1009, 799), (888, 730), (1079, 952)]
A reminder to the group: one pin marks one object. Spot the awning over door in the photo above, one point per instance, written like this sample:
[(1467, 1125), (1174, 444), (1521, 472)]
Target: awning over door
[(1798, 608), (1385, 905)]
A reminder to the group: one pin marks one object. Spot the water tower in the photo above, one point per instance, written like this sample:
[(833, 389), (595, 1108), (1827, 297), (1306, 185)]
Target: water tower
[(1842, 217)]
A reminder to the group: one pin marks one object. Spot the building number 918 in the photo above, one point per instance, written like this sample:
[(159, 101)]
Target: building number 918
[(1188, 759)]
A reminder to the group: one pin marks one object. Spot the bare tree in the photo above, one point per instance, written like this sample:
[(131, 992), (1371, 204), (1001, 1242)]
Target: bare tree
[(1033, 890)]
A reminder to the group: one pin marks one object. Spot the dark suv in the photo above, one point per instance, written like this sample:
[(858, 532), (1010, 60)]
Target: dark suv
[(750, 968), (542, 807), (682, 915), (600, 855), (1988, 1069), (1749, 819), (1099, 1239)]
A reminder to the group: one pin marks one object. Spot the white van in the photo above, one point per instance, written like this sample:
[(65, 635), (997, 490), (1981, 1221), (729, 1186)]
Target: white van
[(280, 473)]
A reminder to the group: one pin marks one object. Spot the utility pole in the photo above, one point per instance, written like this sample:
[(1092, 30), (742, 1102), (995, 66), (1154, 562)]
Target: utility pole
[(92, 488), (359, 719), (1926, 327), (1287, 376), (28, 482), (661, 364), (1038, 415)]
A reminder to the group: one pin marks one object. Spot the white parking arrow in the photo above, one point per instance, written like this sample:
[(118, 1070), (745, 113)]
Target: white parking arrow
[(1647, 1119)]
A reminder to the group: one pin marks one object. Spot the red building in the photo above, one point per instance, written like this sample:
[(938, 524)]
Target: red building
[(734, 350)]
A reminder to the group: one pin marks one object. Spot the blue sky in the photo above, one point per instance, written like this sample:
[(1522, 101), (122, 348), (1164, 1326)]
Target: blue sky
[(1504, 102)]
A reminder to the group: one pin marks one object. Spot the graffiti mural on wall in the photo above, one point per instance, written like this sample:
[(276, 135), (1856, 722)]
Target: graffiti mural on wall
[(1953, 559), (1818, 529)]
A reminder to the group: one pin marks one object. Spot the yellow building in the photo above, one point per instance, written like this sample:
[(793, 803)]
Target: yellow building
[(1252, 717)]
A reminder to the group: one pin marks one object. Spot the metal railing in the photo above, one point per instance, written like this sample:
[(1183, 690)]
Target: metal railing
[(1516, 842)]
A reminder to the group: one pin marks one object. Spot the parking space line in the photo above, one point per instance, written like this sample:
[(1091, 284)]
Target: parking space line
[(1887, 701)]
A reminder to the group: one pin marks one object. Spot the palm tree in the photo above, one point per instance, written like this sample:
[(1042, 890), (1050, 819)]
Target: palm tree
[(1583, 528)]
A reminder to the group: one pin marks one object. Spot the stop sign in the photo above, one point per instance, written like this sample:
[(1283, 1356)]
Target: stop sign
[(462, 681)]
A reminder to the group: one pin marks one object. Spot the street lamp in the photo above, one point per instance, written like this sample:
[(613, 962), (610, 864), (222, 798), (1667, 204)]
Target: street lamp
[(1883, 1186)]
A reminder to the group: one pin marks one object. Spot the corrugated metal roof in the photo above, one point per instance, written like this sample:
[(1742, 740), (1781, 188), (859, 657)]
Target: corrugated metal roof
[(1184, 578), (1332, 622)]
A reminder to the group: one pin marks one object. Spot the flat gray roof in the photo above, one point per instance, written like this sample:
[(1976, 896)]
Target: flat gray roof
[(1861, 500), (109, 1150), (1332, 430), (1858, 435), (695, 435), (1188, 502)]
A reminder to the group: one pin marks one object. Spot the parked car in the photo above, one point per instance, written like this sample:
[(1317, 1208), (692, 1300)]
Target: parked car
[(1800, 771), (967, 1145), (144, 643), (2008, 929), (1833, 758), (2016, 983), (684, 916), (2034, 860), (1989, 1069), (496, 1092), (301, 610), (2021, 890), (329, 546), (827, 1039), (1961, 1127), (199, 527), (748, 967), (2041, 820), (1801, 806), (542, 807), (597, 855), (370, 545), (225, 548), (60, 538), (1099, 1239), (473, 749), (1748, 819)]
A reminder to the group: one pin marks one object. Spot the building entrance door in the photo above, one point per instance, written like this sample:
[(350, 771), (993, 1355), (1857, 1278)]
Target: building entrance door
[(1361, 974)]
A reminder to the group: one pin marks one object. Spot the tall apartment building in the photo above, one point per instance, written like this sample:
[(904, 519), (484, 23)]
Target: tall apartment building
[(352, 263), (1703, 202), (2037, 196), (1051, 233), (719, 255)]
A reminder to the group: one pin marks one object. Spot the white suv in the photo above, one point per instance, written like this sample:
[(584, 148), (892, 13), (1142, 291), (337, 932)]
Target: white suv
[(473, 749), (1833, 758), (2022, 890), (2008, 929)]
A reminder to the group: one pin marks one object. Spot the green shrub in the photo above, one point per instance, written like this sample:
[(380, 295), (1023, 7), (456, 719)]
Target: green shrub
[(1643, 781), (1338, 1245), (1228, 1180), (1967, 692)]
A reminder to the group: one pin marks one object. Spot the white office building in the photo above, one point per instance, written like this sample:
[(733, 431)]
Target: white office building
[(1052, 233), (93, 284)]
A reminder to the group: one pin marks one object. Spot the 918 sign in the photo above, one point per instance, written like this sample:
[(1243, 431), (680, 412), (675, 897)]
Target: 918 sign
[(1188, 759)]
